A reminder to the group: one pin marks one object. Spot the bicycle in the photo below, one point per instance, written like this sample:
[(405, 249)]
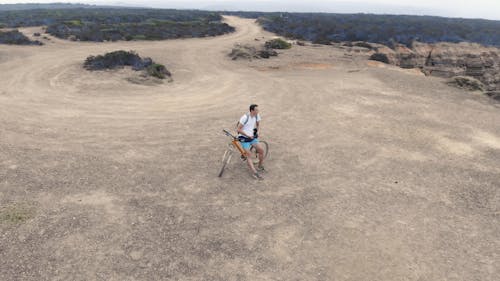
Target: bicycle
[(235, 145)]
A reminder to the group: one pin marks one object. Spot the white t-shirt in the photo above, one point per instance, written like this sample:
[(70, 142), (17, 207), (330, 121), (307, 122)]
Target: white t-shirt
[(250, 124)]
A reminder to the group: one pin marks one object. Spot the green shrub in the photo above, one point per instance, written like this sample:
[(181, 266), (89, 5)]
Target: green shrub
[(277, 44), (468, 83), (139, 37), (158, 70), (74, 23)]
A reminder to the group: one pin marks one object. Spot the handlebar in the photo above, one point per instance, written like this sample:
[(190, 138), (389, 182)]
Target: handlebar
[(228, 134)]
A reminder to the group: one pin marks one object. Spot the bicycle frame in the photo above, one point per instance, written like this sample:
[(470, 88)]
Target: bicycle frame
[(236, 143), (226, 158)]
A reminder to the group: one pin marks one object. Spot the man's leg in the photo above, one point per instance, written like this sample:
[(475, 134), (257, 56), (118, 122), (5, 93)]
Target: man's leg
[(246, 146), (260, 151), (250, 161)]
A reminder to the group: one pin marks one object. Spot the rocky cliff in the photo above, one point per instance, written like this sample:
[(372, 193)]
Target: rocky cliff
[(447, 60)]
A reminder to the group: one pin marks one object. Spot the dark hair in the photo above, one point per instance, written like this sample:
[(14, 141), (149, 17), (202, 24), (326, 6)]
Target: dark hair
[(252, 107)]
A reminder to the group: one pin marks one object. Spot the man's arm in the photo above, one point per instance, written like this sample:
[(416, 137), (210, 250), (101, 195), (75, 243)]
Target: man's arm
[(240, 131)]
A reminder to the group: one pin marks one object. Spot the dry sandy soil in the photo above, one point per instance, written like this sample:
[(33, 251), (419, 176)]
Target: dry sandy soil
[(376, 173)]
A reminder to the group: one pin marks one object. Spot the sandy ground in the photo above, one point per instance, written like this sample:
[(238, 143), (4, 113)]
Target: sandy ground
[(376, 173)]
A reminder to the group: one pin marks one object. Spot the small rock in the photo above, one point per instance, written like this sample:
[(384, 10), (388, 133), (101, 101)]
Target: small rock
[(136, 255)]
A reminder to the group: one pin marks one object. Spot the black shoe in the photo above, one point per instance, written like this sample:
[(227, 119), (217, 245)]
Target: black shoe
[(257, 176)]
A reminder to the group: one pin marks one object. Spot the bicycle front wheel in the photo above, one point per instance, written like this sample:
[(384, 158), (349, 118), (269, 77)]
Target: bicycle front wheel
[(225, 161), (255, 156)]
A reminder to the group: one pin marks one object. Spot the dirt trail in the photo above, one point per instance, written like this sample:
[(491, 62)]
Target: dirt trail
[(376, 173)]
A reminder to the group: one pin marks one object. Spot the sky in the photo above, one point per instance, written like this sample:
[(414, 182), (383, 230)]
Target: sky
[(487, 9)]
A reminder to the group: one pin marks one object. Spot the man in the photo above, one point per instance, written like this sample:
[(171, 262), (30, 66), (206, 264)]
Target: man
[(248, 128)]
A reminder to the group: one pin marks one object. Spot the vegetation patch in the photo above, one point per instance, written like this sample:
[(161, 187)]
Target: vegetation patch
[(100, 32), (119, 59), (158, 71), (383, 29), (494, 95), (468, 83), (243, 52), (15, 37), (16, 214), (112, 24), (267, 53), (102, 15), (250, 52), (277, 44), (362, 45), (116, 59)]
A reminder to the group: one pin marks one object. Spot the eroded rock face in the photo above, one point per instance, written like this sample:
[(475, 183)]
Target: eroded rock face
[(448, 60)]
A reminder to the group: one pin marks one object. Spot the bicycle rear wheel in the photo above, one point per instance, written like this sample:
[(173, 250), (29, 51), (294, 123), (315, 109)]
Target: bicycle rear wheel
[(255, 156), (225, 161)]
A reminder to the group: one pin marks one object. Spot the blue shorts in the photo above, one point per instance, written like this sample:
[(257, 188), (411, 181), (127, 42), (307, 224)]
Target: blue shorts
[(247, 145)]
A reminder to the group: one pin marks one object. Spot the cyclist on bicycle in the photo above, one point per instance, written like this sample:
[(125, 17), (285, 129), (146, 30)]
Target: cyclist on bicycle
[(248, 128)]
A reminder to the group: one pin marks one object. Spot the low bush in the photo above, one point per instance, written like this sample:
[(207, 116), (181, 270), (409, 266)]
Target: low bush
[(494, 95), (15, 37), (158, 71), (116, 59), (251, 52), (119, 59), (277, 44), (468, 83)]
